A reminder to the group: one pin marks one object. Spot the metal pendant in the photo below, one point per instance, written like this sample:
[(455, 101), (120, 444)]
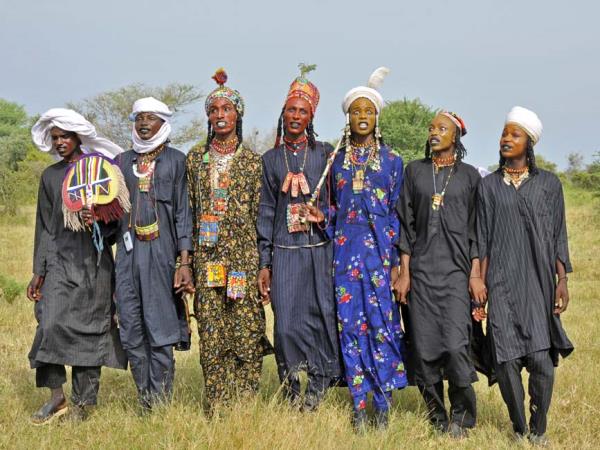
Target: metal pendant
[(437, 200), (358, 181)]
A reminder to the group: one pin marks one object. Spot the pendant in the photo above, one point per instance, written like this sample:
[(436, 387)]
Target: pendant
[(358, 181), (287, 182), (437, 200), (303, 184), (295, 185)]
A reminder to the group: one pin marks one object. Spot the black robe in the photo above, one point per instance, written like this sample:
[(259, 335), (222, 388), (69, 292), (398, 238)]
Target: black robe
[(148, 308), (523, 233), (75, 325), (441, 244)]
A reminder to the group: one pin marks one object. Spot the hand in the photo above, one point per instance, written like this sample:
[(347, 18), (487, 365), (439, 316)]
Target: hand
[(401, 288), (561, 299), (478, 313), (394, 276), (264, 285), (87, 216), (478, 290), (311, 213), (33, 289), (183, 281)]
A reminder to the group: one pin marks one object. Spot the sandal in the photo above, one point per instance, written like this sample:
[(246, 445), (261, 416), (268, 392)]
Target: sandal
[(49, 412)]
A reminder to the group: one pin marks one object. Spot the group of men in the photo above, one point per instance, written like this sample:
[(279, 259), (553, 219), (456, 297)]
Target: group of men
[(330, 237)]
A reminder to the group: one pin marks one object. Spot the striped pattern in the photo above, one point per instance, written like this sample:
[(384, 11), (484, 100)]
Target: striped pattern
[(522, 233)]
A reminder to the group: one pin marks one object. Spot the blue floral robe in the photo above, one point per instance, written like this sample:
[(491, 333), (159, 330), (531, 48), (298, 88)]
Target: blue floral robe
[(364, 227)]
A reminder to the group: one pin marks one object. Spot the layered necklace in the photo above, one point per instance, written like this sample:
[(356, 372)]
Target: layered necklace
[(515, 176), (221, 154), (295, 180), (143, 169), (360, 156), (437, 199), (440, 163)]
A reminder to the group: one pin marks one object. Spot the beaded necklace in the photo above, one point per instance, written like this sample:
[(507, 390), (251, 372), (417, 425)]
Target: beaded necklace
[(358, 167), (220, 156), (515, 176), (439, 163)]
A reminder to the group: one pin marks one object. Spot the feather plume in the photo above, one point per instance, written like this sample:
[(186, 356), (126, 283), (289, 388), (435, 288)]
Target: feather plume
[(377, 77), (220, 76), (305, 69)]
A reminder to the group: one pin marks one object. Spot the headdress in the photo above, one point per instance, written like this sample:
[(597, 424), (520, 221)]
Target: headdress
[(154, 106), (527, 120), (223, 91), (456, 120), (302, 88), (370, 91), (69, 120)]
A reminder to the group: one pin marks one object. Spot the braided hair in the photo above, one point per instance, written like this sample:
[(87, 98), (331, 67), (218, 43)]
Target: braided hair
[(459, 149), (529, 154), (310, 132)]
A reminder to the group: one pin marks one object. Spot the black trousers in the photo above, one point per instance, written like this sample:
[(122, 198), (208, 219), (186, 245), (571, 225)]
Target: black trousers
[(85, 381), (153, 370), (463, 405), (541, 383)]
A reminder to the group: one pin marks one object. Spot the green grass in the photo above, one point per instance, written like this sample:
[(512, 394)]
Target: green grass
[(263, 422)]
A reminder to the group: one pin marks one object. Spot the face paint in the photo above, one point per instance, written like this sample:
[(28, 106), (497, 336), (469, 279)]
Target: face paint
[(222, 116), (296, 116), (363, 117), (65, 143), (147, 125), (513, 142), (442, 134)]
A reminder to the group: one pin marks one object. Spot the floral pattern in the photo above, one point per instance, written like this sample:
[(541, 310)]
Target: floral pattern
[(364, 227)]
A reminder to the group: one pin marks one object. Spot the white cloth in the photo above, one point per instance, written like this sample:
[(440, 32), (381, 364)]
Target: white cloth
[(528, 120), (154, 106), (370, 91), (69, 120)]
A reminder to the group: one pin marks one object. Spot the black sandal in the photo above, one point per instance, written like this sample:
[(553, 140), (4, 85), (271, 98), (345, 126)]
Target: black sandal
[(49, 412)]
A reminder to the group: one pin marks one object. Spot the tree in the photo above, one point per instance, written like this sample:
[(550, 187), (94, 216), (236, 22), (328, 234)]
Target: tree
[(545, 164), (109, 111), (575, 163), (404, 125), (21, 164)]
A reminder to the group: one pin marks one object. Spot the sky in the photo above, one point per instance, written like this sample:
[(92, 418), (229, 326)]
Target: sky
[(476, 57)]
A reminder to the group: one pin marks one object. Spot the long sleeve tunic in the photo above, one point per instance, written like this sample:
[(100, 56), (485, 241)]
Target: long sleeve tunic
[(522, 233), (441, 244), (146, 301), (74, 316)]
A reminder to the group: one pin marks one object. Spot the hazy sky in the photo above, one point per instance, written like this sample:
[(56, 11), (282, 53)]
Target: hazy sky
[(476, 57)]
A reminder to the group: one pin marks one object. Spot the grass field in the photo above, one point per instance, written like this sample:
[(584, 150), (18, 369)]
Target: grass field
[(264, 422)]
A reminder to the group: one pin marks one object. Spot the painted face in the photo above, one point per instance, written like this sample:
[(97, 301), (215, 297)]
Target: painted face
[(222, 116), (296, 116), (363, 116), (513, 142), (147, 125), (64, 142), (442, 133)]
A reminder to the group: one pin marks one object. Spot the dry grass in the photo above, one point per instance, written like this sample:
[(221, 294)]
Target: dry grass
[(264, 422)]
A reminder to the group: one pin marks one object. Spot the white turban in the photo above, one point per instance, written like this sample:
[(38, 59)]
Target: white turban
[(370, 91), (150, 105), (69, 120), (528, 120)]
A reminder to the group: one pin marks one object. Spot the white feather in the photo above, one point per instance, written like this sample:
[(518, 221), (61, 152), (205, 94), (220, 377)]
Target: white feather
[(377, 77)]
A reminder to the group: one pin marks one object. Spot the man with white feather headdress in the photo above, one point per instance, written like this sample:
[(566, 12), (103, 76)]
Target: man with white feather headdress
[(367, 178)]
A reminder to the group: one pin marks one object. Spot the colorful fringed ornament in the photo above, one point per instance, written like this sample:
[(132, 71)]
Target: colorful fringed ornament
[(94, 182)]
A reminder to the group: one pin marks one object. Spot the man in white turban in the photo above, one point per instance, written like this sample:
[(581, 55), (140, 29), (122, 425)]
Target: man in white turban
[(522, 238), (153, 253), (72, 283)]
